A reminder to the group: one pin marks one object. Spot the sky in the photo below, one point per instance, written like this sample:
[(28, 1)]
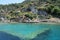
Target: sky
[(10, 1)]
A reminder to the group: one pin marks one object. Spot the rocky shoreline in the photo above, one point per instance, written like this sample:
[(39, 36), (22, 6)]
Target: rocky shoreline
[(51, 20)]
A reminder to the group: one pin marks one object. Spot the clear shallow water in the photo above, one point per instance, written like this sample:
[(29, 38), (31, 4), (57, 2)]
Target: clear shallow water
[(30, 30)]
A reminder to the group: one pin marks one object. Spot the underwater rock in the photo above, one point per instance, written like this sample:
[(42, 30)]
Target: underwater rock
[(42, 36), (6, 36)]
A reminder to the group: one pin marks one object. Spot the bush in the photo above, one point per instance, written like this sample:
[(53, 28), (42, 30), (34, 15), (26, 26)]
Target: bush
[(53, 10), (31, 15), (56, 11), (49, 8)]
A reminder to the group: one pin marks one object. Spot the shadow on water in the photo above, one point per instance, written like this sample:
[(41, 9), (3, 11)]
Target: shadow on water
[(42, 36), (6, 36)]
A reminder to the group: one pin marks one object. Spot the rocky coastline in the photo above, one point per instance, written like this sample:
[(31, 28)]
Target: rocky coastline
[(51, 20)]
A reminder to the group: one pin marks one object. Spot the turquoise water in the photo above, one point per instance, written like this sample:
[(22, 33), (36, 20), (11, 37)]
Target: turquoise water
[(31, 30)]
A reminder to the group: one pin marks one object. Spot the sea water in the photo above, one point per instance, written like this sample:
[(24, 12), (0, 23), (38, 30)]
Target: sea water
[(29, 31)]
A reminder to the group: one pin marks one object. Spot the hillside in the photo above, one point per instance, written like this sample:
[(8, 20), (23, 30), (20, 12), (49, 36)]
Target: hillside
[(26, 2), (31, 9)]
